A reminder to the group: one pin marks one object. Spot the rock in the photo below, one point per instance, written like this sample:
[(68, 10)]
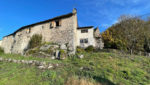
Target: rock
[(55, 46), (9, 60), (57, 65), (43, 63), (1, 59), (57, 54), (30, 62), (85, 68), (53, 58), (45, 47), (15, 61), (50, 66), (41, 67), (26, 62), (37, 63), (81, 68), (81, 56), (18, 61), (148, 54), (22, 61), (63, 46)]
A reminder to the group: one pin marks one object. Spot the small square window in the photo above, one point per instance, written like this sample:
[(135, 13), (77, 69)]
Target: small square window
[(58, 23), (51, 24), (84, 31), (84, 40)]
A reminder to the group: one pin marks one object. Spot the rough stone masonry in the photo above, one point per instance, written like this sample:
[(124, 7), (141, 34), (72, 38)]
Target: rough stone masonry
[(61, 30)]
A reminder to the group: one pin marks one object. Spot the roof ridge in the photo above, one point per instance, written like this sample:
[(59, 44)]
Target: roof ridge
[(55, 18)]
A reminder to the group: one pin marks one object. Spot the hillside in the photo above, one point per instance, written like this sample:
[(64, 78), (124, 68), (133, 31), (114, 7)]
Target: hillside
[(98, 68)]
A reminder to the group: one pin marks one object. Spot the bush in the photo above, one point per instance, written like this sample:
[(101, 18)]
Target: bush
[(80, 50), (1, 50), (35, 41), (89, 49), (75, 80), (32, 51), (63, 54)]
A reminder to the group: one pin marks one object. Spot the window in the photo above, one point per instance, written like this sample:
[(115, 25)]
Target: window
[(84, 31), (84, 40), (58, 23), (51, 24)]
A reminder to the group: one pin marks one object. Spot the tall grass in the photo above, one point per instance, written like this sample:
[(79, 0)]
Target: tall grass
[(80, 81)]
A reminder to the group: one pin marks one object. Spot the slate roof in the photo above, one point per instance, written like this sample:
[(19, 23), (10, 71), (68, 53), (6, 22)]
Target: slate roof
[(85, 27)]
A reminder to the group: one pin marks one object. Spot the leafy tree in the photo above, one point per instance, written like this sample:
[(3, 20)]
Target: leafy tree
[(147, 45), (127, 34)]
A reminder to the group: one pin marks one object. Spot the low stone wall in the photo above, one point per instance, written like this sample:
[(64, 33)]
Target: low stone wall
[(40, 65)]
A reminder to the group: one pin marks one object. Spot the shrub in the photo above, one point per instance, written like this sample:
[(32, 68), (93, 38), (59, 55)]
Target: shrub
[(80, 81), (32, 51), (80, 50), (89, 49), (63, 54), (1, 50), (35, 41)]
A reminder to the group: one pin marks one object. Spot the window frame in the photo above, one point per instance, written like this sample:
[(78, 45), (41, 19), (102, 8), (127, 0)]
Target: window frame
[(84, 30), (57, 23), (51, 24), (84, 40)]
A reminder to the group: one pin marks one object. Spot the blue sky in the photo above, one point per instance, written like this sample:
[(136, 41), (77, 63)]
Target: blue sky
[(103, 13)]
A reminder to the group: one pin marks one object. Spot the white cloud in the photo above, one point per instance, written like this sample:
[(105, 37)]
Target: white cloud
[(106, 12)]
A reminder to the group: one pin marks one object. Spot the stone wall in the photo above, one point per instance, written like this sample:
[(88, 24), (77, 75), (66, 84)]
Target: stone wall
[(64, 34), (89, 35), (0, 43), (39, 64), (7, 43), (98, 39)]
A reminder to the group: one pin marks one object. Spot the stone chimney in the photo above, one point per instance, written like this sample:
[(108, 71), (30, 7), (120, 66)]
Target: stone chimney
[(74, 11)]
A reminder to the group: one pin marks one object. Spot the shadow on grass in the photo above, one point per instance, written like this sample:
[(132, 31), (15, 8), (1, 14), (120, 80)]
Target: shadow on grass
[(103, 81)]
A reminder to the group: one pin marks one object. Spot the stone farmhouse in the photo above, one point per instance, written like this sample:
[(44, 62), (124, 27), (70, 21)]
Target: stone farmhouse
[(62, 30)]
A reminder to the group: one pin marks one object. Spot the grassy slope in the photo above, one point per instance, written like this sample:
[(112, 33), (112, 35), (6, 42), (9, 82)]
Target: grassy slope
[(105, 68)]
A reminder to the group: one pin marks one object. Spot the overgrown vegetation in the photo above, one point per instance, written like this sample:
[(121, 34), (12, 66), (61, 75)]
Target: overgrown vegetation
[(130, 34), (96, 68), (1, 50), (89, 49), (36, 40)]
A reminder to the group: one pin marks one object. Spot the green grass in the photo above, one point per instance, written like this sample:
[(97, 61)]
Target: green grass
[(102, 67)]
